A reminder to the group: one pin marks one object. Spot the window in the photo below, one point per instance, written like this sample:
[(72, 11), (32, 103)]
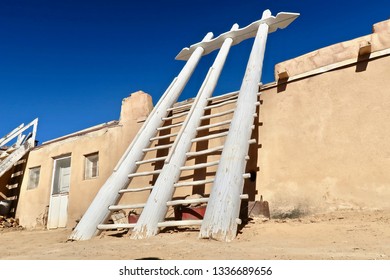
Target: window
[(91, 166), (33, 177)]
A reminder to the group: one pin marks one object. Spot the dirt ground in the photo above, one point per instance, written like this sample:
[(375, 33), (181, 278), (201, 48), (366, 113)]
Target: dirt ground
[(337, 235)]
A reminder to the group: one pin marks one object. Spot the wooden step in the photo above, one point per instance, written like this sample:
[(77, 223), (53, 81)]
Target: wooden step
[(213, 125), (220, 104), (204, 152), (175, 116), (187, 201), (180, 107), (208, 137), (150, 160), (206, 117), (193, 183), (148, 188), (161, 224), (114, 226), (223, 96), (126, 206), (180, 223), (163, 137), (196, 200), (3, 155), (160, 147), (170, 126), (199, 166), (146, 173)]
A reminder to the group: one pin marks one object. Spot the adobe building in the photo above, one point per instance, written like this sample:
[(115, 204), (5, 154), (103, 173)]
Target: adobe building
[(321, 143), (63, 175)]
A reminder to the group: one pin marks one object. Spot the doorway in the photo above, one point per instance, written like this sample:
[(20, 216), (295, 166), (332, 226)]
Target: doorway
[(58, 208)]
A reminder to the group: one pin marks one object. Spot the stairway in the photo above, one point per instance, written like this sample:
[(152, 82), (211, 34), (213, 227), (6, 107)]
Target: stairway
[(10, 155)]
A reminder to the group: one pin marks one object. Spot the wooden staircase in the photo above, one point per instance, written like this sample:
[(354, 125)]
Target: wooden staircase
[(10, 155)]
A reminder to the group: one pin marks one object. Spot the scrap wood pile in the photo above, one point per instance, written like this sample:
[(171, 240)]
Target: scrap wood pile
[(9, 222)]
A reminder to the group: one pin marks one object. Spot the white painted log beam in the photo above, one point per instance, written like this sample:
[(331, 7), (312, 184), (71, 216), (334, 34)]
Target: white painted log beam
[(108, 194), (156, 206), (281, 20), (220, 220)]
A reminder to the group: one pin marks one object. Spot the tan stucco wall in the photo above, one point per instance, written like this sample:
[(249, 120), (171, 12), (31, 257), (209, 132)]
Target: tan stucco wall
[(325, 140), (110, 141)]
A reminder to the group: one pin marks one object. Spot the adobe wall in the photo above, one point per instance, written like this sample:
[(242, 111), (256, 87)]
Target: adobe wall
[(324, 138)]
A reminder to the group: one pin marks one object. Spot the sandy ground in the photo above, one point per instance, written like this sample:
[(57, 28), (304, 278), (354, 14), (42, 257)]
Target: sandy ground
[(337, 235)]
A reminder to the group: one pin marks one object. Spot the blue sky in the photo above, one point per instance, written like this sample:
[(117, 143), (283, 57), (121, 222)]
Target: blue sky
[(71, 62)]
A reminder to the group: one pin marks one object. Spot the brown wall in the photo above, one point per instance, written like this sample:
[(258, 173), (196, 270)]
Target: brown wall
[(325, 140)]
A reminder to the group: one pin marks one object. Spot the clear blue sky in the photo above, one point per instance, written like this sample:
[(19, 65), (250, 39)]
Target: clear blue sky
[(71, 62)]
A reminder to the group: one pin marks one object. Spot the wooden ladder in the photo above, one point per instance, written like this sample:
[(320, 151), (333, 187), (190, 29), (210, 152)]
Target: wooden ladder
[(208, 142), (183, 126)]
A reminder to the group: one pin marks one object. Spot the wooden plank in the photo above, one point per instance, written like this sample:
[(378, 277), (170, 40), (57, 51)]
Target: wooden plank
[(180, 223), (150, 160), (159, 147), (213, 125), (196, 200), (169, 126), (163, 137), (204, 152), (220, 104), (223, 96), (148, 188), (211, 136), (175, 116), (126, 206), (114, 226), (180, 107), (193, 183), (146, 173), (199, 166), (206, 117)]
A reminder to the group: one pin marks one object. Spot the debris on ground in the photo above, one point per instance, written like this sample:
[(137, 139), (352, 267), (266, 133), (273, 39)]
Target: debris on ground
[(9, 222)]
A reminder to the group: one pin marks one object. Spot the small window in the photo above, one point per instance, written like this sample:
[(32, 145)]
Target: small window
[(91, 166), (33, 177)]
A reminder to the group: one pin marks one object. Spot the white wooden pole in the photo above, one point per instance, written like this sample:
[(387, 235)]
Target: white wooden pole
[(108, 194), (220, 220), (156, 206)]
